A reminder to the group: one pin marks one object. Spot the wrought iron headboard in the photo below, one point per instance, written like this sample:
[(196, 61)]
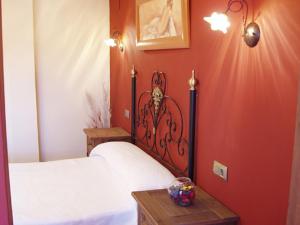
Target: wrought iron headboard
[(158, 129)]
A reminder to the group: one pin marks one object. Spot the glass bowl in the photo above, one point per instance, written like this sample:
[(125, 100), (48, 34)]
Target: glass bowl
[(182, 191)]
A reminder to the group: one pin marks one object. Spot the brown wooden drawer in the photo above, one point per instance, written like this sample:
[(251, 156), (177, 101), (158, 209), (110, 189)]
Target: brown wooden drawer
[(155, 207), (143, 219), (96, 136)]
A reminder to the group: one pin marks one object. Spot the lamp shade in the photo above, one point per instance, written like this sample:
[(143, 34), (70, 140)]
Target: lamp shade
[(218, 21), (111, 42)]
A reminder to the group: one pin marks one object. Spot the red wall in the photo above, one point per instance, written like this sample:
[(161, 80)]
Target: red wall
[(246, 106), (5, 206)]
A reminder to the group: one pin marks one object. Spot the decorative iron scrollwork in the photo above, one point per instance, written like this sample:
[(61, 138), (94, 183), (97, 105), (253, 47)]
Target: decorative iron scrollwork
[(157, 96), (160, 124)]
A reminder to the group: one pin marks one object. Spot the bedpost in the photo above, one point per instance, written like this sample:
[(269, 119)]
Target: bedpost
[(133, 103), (192, 121)]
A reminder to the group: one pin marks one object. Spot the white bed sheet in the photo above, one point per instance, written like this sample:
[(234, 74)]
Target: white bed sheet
[(92, 193)]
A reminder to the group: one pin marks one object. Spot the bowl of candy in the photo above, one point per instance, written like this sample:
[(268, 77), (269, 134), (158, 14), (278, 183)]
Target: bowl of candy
[(182, 191)]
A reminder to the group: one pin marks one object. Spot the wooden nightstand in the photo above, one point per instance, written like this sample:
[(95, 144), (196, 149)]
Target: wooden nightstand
[(97, 136), (156, 208)]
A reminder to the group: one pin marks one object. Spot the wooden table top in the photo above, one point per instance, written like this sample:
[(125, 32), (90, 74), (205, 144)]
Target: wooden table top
[(106, 132), (205, 210)]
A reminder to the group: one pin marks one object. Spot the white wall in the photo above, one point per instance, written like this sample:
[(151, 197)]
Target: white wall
[(19, 81), (61, 43), (73, 70)]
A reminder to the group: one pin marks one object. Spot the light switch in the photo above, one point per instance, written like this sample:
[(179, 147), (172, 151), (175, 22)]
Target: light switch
[(127, 113), (220, 170)]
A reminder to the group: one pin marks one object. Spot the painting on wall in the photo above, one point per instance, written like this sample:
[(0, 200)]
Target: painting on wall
[(162, 24)]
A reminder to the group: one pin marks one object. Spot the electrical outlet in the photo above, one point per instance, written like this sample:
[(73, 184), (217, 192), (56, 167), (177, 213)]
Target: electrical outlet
[(127, 113), (220, 170)]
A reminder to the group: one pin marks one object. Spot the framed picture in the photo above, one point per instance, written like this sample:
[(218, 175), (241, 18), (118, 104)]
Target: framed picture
[(162, 24)]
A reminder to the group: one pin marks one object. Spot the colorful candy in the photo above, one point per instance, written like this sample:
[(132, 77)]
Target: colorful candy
[(182, 191)]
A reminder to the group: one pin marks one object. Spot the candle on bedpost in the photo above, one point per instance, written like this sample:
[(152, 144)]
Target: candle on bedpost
[(192, 121), (133, 103)]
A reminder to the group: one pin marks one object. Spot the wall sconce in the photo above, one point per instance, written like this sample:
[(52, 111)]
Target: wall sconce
[(115, 40), (220, 21)]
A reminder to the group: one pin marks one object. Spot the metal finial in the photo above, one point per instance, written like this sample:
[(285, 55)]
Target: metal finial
[(193, 81), (133, 71)]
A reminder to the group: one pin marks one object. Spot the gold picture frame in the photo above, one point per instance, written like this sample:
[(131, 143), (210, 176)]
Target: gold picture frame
[(162, 24)]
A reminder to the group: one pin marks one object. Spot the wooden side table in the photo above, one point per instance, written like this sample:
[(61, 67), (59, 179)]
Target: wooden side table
[(156, 208), (97, 136)]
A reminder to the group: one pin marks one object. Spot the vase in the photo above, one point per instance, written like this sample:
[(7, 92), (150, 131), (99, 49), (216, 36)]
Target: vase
[(182, 191)]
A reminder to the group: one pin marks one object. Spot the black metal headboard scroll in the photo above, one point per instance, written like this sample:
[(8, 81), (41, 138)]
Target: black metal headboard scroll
[(157, 125)]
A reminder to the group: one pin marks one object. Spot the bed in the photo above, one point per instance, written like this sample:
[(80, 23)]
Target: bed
[(91, 190), (96, 190)]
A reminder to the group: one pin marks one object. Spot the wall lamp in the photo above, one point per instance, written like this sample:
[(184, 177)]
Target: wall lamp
[(220, 21), (115, 40)]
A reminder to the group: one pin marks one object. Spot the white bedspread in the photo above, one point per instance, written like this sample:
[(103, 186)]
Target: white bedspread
[(82, 191)]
